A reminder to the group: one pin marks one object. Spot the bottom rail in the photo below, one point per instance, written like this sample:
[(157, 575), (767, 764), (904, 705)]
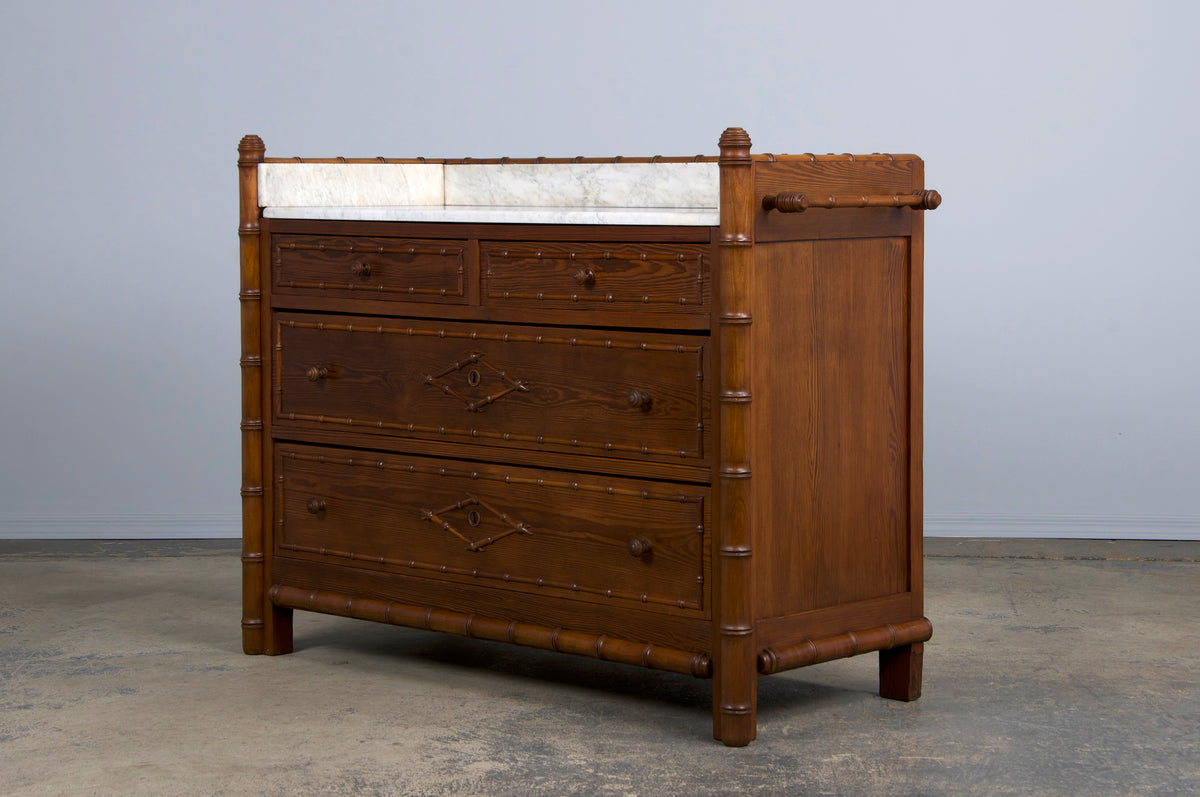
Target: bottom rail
[(623, 651), (840, 646)]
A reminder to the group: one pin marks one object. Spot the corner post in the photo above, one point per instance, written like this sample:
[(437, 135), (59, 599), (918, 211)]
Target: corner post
[(735, 674), (251, 153), (900, 668)]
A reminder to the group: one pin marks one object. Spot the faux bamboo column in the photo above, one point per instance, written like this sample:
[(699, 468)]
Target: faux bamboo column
[(734, 655), (250, 153)]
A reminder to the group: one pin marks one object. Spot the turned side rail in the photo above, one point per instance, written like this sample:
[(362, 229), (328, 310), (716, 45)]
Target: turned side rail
[(798, 201)]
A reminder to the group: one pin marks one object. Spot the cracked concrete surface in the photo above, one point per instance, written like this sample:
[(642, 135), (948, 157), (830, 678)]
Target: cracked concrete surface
[(1054, 669)]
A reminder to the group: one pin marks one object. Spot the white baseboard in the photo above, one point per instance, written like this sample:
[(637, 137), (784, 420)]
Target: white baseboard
[(1070, 527), (223, 526), (120, 527)]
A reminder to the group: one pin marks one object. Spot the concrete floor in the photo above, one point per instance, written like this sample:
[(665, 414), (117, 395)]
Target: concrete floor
[(1055, 668)]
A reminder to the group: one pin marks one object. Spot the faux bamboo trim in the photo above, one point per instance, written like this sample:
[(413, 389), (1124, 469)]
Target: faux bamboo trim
[(734, 689), (254, 634), (767, 157), (561, 640), (840, 646), (798, 201)]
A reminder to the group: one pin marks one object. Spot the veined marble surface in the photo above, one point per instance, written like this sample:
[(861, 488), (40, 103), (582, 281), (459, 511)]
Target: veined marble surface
[(530, 193), (592, 185), (685, 217), (350, 184)]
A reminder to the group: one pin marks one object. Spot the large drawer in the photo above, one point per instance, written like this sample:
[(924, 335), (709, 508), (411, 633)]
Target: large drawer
[(400, 269), (595, 538), (648, 279), (616, 394)]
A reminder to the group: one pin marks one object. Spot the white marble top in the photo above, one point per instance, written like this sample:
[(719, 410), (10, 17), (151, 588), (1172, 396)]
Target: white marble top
[(687, 217), (540, 193)]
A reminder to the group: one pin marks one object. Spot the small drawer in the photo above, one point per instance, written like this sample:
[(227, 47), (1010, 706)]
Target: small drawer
[(589, 537), (399, 269), (607, 393), (649, 279)]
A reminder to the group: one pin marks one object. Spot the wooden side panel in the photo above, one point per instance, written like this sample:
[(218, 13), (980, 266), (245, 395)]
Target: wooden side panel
[(838, 175), (845, 176), (831, 423), (916, 405)]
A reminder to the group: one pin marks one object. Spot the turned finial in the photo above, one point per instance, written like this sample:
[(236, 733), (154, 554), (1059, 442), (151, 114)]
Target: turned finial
[(734, 144), (735, 137), (251, 149)]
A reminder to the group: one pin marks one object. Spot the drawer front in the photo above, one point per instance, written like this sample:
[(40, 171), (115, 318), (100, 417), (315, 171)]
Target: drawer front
[(400, 269), (616, 394), (649, 279), (596, 538)]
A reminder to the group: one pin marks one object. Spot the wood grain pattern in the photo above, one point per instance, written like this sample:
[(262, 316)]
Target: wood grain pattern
[(693, 449), (650, 279), (496, 386), (387, 269), (916, 405), (372, 510), (847, 175), (682, 630), (900, 672), (832, 415)]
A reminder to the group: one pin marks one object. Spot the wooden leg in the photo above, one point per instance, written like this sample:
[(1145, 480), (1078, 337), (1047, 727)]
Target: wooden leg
[(271, 636), (900, 672), (278, 631), (735, 699)]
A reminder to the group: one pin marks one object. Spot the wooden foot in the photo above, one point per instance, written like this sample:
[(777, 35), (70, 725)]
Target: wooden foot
[(278, 631), (734, 726), (272, 636), (900, 672), (735, 723)]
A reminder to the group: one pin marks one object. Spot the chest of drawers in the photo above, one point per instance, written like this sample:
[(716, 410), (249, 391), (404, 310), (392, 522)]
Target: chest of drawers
[(664, 412)]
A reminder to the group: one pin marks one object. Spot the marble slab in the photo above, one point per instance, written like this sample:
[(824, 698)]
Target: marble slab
[(593, 185), (350, 184), (687, 217), (531, 193)]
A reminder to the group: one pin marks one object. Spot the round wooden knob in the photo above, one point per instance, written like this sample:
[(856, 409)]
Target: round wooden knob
[(638, 399), (316, 373), (585, 277), (316, 505), (361, 269), (639, 547)]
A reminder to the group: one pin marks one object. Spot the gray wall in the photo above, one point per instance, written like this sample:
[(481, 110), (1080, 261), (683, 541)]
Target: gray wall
[(1062, 377)]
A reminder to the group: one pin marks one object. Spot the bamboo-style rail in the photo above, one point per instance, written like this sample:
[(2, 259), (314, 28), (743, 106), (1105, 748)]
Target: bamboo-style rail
[(840, 646), (561, 640), (798, 202)]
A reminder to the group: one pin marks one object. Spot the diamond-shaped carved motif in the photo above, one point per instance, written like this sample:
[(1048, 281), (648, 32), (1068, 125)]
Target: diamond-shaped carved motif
[(477, 376), (473, 518)]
